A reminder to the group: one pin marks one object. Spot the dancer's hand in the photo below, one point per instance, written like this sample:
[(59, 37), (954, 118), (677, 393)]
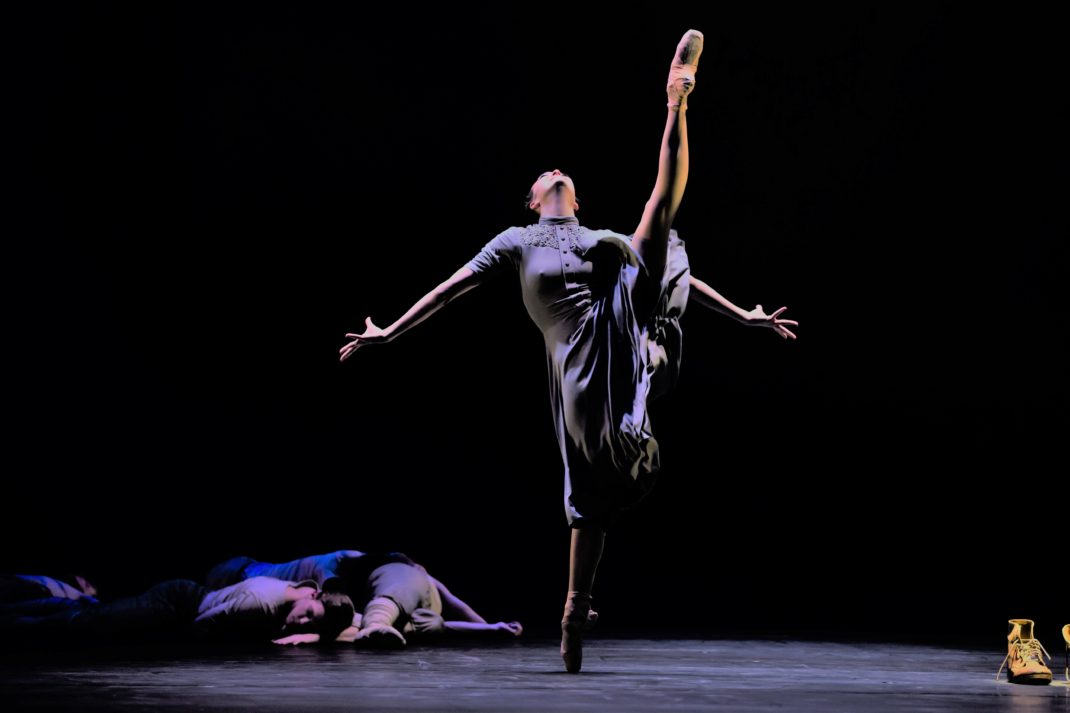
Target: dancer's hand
[(757, 318), (512, 627), (296, 639), (372, 335)]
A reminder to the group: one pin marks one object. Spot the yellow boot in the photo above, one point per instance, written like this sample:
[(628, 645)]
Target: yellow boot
[(1066, 638), (1024, 661)]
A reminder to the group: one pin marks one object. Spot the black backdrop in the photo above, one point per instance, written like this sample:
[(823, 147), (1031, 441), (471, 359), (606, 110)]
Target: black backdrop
[(208, 198)]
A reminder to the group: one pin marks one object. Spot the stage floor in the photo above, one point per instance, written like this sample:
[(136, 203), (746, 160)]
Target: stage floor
[(526, 675)]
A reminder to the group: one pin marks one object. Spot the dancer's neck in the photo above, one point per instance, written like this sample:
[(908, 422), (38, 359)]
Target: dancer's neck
[(558, 203), (557, 219)]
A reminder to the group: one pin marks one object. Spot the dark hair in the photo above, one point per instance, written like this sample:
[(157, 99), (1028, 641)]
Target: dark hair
[(338, 613)]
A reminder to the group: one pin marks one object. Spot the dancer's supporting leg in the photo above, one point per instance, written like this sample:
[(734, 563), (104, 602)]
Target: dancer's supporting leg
[(651, 241), (584, 554)]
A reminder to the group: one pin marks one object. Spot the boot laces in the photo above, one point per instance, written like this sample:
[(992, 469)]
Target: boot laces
[(1027, 650)]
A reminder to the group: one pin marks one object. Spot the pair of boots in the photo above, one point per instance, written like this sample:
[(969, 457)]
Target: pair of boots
[(1024, 660)]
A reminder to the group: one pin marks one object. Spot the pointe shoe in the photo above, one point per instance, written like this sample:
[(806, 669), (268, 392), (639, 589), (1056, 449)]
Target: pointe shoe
[(682, 71), (579, 617), (1024, 662), (377, 624)]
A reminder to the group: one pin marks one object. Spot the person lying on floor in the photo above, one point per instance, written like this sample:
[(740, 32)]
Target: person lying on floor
[(258, 609), (26, 595), (26, 587), (400, 597)]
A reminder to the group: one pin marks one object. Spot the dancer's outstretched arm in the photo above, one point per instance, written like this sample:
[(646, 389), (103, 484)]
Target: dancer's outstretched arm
[(455, 605), (300, 639), (708, 297), (509, 627), (458, 283)]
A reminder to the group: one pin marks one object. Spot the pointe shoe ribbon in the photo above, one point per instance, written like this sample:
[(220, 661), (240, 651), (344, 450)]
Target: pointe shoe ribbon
[(683, 68)]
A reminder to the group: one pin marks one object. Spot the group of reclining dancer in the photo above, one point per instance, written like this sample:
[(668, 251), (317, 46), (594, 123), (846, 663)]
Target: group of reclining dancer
[(308, 600)]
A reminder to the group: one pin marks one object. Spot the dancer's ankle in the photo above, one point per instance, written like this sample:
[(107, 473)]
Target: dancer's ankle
[(577, 606)]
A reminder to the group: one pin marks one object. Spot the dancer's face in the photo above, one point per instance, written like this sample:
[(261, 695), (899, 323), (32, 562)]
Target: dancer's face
[(550, 181), (305, 613)]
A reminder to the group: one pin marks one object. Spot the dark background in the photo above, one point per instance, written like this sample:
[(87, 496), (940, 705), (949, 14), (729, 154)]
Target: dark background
[(207, 199)]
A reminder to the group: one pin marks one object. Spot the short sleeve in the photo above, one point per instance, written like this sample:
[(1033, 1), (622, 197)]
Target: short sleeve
[(500, 253)]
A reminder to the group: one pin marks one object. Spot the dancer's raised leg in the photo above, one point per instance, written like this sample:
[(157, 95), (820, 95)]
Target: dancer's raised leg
[(651, 238)]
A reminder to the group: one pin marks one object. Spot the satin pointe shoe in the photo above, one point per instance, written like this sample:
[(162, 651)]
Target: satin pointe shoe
[(682, 71), (578, 618)]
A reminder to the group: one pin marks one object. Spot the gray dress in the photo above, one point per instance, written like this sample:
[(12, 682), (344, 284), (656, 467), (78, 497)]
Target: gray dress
[(613, 342)]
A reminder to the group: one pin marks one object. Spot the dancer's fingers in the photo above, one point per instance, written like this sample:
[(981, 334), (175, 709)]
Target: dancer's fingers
[(778, 311), (787, 321)]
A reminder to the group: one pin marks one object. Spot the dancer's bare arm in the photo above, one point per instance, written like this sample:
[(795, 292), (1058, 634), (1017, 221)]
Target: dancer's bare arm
[(509, 627), (297, 639), (706, 296), (458, 283), (453, 605)]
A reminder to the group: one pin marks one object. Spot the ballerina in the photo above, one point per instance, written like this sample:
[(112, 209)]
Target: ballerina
[(609, 308)]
